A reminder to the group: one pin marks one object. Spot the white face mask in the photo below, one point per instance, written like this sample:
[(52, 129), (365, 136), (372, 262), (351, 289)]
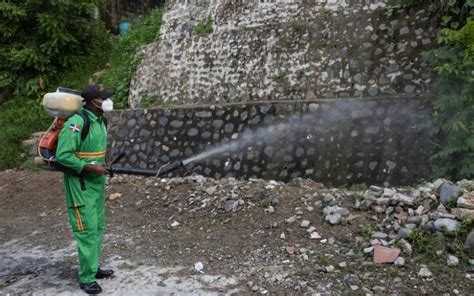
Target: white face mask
[(107, 105)]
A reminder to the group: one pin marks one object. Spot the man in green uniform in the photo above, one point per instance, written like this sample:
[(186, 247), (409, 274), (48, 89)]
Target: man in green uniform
[(85, 192)]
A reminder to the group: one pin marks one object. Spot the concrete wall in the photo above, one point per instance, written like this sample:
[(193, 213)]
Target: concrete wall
[(285, 50), (336, 141)]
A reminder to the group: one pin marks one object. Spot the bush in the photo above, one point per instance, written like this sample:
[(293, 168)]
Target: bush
[(19, 118), (124, 59)]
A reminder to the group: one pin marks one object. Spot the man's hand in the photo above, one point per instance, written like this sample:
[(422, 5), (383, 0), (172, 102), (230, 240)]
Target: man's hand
[(95, 169)]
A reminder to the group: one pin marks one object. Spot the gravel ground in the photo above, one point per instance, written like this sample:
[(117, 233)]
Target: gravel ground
[(253, 236)]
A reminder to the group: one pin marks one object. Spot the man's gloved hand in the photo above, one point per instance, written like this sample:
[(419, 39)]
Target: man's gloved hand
[(97, 169)]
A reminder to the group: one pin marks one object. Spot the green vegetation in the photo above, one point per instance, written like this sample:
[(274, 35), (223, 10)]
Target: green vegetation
[(18, 119), (454, 108), (203, 27), (324, 13), (43, 44), (46, 44), (300, 26), (147, 100), (425, 244), (124, 58), (40, 41), (281, 75)]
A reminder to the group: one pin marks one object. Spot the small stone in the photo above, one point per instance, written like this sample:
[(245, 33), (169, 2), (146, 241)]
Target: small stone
[(311, 229), (304, 224), (315, 235), (231, 205), (291, 220), (343, 265), (452, 260), (354, 287), (113, 196), (406, 247), (404, 31), (331, 241), (275, 201), (282, 236), (290, 250), (330, 269), (400, 261), (329, 199), (424, 273), (270, 209), (368, 250), (175, 224), (378, 234), (404, 233)]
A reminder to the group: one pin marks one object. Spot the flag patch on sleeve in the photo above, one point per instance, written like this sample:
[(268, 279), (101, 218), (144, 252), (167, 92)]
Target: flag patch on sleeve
[(75, 128)]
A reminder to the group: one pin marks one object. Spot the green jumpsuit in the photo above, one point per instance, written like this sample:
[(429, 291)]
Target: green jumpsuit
[(85, 196)]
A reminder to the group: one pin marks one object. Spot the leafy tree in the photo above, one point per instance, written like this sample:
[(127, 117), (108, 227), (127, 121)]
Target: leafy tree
[(454, 107), (42, 39)]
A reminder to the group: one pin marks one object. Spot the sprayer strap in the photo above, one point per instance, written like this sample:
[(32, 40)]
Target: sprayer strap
[(85, 129)]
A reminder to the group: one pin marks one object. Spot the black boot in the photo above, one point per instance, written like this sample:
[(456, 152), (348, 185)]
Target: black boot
[(104, 273), (91, 288)]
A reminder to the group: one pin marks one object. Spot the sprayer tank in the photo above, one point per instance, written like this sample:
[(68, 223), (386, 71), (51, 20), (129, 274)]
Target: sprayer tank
[(62, 103)]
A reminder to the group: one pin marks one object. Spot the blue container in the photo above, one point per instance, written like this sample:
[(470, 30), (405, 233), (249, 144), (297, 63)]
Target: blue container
[(124, 27)]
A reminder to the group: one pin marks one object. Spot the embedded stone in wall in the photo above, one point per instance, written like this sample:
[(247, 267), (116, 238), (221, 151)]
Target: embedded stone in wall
[(285, 50)]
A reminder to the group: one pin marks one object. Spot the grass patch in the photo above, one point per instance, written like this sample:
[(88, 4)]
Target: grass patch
[(425, 244), (321, 14), (300, 26), (204, 27)]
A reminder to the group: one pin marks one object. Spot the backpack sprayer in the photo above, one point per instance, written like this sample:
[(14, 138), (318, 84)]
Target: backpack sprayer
[(61, 105)]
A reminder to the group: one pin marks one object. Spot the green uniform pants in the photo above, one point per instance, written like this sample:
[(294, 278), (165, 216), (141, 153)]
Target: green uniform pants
[(86, 207)]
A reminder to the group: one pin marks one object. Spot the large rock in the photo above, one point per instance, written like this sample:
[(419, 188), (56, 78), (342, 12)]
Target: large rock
[(385, 254), (445, 224), (449, 193), (463, 214), (469, 243), (402, 198), (466, 201)]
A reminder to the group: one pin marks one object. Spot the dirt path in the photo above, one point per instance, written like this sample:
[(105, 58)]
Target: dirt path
[(158, 229)]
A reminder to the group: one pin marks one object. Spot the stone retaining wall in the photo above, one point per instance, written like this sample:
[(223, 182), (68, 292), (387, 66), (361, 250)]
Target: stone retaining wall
[(336, 141), (285, 50)]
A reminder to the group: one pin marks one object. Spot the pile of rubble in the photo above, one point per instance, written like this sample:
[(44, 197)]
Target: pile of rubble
[(440, 206)]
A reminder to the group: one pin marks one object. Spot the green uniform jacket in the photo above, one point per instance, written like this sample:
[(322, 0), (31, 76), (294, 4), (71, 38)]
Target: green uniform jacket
[(85, 196), (75, 155)]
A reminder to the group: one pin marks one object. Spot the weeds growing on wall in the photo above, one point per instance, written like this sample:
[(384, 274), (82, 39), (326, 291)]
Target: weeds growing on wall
[(203, 27), (124, 58), (454, 107)]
